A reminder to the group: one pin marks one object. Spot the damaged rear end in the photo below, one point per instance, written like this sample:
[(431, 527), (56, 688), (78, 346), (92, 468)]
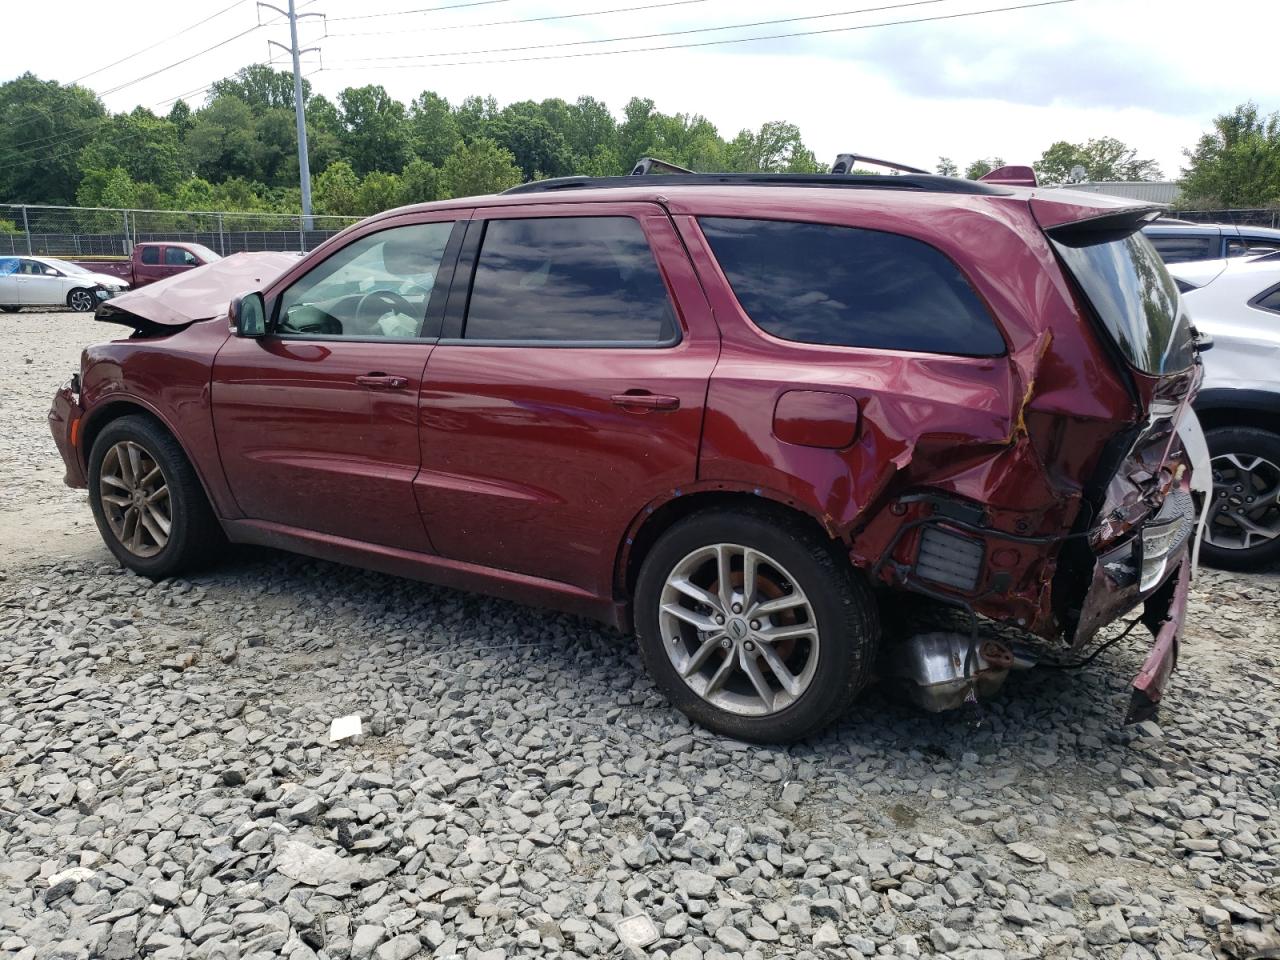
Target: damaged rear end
[(1130, 489)]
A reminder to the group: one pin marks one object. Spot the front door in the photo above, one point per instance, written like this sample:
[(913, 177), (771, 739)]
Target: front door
[(40, 284), (317, 421), (567, 390)]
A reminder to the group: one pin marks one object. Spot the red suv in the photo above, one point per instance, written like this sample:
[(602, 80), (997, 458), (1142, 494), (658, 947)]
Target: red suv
[(739, 415)]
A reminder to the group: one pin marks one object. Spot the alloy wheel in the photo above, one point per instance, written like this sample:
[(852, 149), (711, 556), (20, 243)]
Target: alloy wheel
[(1246, 502), (81, 300), (739, 630), (135, 499)]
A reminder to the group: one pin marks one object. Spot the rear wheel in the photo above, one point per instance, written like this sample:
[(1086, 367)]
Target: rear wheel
[(80, 300), (1242, 530), (753, 625), (147, 501)]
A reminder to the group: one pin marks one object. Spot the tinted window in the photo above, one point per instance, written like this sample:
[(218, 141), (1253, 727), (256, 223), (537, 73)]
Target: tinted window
[(1185, 249), (8, 265), (1270, 300), (1135, 298), (177, 257), (377, 286), (151, 255), (577, 279), (850, 287)]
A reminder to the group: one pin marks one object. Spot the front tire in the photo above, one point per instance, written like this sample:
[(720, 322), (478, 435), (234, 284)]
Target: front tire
[(80, 300), (147, 501), (1242, 531), (753, 625)]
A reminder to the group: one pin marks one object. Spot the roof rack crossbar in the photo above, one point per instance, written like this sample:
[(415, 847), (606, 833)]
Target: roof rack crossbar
[(845, 161), (647, 165), (924, 183)]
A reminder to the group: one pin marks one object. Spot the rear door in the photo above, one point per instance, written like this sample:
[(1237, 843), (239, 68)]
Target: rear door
[(40, 284), (148, 265), (317, 422), (567, 390)]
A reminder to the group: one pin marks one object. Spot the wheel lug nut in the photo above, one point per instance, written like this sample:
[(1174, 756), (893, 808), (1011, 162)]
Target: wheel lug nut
[(719, 618), (737, 608), (755, 624), (749, 645), (726, 643)]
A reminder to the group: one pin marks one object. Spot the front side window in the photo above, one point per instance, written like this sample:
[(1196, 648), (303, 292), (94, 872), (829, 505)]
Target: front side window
[(377, 286), (569, 280), (178, 257), (849, 287), (151, 256), (1184, 249), (8, 266)]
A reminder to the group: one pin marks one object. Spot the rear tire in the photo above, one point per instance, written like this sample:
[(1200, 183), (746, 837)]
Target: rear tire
[(806, 627), (80, 300), (1246, 464), (147, 500)]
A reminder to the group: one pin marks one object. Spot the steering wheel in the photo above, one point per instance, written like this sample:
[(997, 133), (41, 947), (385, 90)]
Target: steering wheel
[(389, 299)]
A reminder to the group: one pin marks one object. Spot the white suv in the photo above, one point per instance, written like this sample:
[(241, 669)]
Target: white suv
[(1236, 302)]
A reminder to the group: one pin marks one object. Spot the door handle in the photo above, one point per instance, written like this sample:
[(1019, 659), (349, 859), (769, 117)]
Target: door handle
[(643, 402), (381, 381)]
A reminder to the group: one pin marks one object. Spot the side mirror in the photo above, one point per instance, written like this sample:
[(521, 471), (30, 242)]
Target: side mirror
[(249, 316)]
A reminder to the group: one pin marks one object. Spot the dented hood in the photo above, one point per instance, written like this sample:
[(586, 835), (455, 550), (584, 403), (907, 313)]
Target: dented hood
[(197, 294)]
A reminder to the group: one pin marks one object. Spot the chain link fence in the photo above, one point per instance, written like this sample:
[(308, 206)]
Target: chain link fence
[(87, 232)]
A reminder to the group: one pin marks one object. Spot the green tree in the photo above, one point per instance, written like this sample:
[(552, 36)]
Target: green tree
[(537, 148), (43, 125), (378, 191), (947, 167), (477, 168), (374, 136), (223, 140), (107, 188), (419, 182), (473, 117), (1104, 158), (1237, 164), (589, 127), (181, 117), (260, 87), (433, 131), (980, 168), (144, 145), (337, 190), (776, 148)]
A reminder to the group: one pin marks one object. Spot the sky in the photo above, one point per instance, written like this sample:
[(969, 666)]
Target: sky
[(1152, 73)]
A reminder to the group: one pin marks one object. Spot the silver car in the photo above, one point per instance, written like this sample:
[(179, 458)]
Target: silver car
[(45, 282), (1237, 302)]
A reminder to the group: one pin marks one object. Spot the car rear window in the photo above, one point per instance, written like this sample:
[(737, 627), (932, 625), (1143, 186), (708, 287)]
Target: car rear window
[(569, 280), (1185, 249), (151, 255), (849, 287), (1126, 282)]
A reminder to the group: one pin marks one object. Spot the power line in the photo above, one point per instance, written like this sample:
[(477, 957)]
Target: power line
[(172, 36), (405, 13), (186, 59), (649, 36), (508, 23), (714, 43)]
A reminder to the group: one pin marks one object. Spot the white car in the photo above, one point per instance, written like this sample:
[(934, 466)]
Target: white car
[(45, 282), (1236, 302)]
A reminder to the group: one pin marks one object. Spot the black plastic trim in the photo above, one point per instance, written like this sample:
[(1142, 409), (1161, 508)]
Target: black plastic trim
[(1228, 398)]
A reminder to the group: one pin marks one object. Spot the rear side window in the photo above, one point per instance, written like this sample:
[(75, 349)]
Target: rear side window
[(850, 287), (1133, 295), (568, 279), (1267, 300), (151, 255), (1185, 249)]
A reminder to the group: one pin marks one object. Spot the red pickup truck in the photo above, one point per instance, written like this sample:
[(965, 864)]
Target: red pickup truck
[(152, 261)]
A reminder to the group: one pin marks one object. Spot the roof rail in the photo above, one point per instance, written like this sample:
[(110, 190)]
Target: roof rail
[(647, 165), (924, 183), (845, 161)]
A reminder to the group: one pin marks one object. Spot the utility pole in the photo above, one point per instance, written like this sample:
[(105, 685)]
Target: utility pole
[(304, 163)]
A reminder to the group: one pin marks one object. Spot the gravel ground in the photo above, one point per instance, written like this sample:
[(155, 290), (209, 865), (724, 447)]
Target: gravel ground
[(167, 788)]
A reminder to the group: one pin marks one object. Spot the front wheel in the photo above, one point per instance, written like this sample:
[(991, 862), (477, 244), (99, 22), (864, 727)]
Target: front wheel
[(80, 300), (147, 501), (753, 625), (1242, 530)]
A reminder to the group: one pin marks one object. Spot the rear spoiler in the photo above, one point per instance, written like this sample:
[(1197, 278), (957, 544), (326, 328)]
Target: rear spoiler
[(1067, 214)]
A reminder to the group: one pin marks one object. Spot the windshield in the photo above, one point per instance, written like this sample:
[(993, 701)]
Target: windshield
[(66, 267), (1134, 296), (203, 252)]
